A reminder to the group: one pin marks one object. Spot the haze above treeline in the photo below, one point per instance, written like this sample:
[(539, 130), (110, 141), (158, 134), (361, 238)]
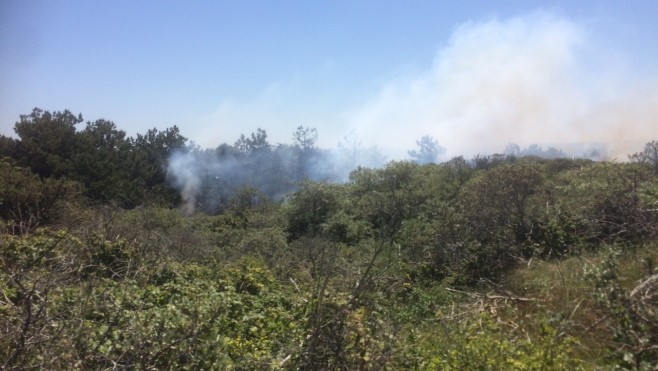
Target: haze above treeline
[(163, 166), (475, 77)]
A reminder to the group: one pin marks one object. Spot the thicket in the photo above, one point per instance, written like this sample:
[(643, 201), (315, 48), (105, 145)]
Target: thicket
[(497, 263)]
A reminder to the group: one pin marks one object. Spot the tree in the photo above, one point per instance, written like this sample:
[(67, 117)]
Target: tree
[(350, 148), (160, 144), (47, 141), (225, 150), (102, 164), (459, 170), (310, 208), (512, 149), (429, 150), (149, 161), (304, 141), (649, 155), (497, 205), (257, 142), (305, 138), (8, 146)]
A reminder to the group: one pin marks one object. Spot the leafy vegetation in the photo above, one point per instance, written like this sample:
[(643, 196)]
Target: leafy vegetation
[(499, 263)]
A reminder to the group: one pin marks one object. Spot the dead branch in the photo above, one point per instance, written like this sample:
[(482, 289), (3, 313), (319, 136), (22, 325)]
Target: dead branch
[(642, 286)]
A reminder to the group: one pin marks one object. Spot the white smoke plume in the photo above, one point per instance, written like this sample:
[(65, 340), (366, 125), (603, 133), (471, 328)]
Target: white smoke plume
[(209, 179), (537, 78), (183, 169)]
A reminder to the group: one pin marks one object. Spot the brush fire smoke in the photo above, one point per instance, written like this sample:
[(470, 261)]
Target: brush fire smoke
[(537, 78), (533, 79)]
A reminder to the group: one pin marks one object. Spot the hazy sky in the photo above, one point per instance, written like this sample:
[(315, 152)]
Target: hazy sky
[(476, 75)]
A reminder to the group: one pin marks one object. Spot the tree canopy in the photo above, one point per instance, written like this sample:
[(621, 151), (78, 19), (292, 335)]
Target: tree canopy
[(428, 151)]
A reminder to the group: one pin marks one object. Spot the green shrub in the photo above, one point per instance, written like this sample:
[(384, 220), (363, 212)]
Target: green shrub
[(485, 344)]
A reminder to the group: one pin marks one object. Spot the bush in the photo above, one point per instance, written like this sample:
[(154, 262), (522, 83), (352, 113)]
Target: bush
[(485, 344), (631, 314), (26, 200)]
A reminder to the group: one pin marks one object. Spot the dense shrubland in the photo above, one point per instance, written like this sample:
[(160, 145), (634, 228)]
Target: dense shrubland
[(501, 262)]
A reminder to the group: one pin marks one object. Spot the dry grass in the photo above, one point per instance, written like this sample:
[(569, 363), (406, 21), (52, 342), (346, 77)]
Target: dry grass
[(561, 292)]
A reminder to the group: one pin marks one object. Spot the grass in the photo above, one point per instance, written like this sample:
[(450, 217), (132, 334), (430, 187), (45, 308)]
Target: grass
[(563, 292)]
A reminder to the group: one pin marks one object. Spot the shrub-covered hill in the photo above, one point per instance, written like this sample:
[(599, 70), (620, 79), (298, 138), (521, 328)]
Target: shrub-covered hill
[(500, 262), (507, 263)]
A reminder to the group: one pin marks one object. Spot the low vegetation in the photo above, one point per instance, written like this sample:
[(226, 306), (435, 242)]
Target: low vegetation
[(501, 263)]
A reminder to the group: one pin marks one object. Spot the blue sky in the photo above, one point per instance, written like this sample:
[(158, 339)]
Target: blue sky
[(474, 74)]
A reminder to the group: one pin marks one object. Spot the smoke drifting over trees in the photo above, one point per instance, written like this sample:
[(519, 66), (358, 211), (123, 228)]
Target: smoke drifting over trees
[(536, 78), (162, 166), (530, 79), (428, 152), (209, 179)]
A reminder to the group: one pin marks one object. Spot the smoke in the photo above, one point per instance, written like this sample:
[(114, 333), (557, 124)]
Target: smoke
[(537, 78), (203, 177), (183, 172), (213, 179)]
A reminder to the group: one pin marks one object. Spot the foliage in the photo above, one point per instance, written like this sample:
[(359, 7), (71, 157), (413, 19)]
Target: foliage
[(648, 156), (311, 207), (106, 306), (101, 164), (485, 344), (461, 265), (27, 201), (257, 142), (631, 315), (47, 141), (110, 166), (305, 137), (428, 152)]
